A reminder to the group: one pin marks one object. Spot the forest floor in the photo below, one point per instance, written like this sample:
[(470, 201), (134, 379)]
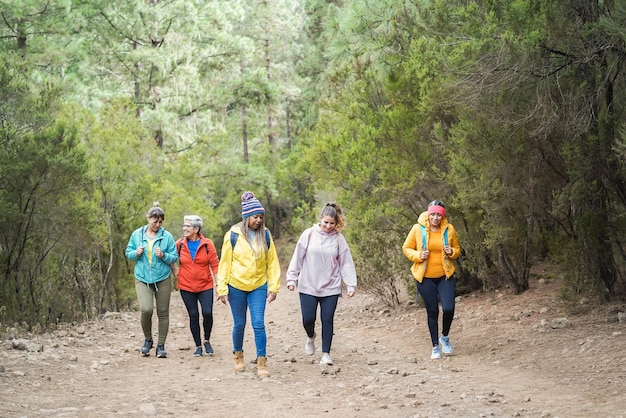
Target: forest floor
[(514, 356)]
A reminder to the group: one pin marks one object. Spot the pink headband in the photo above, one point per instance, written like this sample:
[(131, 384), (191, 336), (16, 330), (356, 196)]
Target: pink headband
[(437, 209)]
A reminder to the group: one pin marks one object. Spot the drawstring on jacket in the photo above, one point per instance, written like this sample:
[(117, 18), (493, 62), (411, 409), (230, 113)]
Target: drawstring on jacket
[(156, 288)]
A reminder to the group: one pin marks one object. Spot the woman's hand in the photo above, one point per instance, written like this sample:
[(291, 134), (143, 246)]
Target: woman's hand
[(223, 299), (424, 254), (291, 287), (271, 297), (448, 250), (350, 293)]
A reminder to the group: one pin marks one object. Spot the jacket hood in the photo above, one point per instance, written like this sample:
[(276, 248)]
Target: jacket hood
[(160, 233), (423, 220), (328, 242), (316, 228)]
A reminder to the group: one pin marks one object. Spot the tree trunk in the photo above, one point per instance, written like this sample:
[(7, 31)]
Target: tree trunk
[(244, 132)]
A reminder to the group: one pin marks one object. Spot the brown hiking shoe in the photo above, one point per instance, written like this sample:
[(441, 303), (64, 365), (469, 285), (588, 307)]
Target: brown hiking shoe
[(240, 366), (261, 367)]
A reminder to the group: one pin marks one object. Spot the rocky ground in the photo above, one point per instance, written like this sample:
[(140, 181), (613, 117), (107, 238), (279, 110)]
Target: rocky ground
[(519, 356)]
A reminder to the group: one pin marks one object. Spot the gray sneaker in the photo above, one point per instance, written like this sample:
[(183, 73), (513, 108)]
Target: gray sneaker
[(160, 351), (147, 346), (208, 349), (446, 348)]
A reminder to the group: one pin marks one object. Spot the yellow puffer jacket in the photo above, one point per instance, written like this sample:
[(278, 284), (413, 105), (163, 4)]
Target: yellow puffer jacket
[(412, 247), (242, 270)]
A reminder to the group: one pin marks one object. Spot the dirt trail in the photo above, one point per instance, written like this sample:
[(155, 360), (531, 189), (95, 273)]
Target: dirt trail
[(513, 356)]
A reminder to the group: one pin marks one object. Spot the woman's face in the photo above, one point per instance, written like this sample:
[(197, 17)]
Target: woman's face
[(255, 221), (155, 223), (435, 219), (328, 224), (189, 231)]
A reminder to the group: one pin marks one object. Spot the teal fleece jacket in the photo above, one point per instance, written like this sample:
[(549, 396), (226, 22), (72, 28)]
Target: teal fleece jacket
[(161, 267)]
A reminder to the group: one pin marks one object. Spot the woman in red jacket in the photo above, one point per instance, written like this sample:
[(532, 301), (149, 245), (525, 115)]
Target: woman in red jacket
[(198, 263)]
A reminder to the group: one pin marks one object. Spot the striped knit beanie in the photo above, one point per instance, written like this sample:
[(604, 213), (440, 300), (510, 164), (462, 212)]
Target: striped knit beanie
[(250, 205)]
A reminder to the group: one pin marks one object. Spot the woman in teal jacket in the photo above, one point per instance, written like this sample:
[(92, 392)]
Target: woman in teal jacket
[(154, 250)]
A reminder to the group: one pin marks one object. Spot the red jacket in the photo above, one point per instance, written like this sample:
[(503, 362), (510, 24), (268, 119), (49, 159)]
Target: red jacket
[(195, 275)]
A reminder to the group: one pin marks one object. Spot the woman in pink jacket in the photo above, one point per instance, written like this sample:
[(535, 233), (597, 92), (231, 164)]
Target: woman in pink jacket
[(198, 264), (320, 262)]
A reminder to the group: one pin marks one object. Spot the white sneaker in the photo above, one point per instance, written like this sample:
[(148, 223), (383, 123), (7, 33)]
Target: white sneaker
[(309, 347), (436, 353), (326, 360)]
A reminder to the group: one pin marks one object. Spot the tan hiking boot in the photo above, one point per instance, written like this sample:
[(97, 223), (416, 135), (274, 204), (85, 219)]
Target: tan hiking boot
[(261, 367), (240, 366)]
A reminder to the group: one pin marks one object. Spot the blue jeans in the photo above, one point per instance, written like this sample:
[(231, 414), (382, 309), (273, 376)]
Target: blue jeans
[(328, 305), (191, 300), (434, 291), (239, 302)]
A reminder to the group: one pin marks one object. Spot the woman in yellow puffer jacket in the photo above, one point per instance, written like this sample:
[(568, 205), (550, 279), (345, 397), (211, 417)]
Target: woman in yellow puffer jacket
[(249, 278), (431, 245)]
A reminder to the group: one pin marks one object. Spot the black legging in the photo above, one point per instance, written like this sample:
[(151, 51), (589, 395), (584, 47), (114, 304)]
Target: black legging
[(433, 291), (191, 300), (328, 304)]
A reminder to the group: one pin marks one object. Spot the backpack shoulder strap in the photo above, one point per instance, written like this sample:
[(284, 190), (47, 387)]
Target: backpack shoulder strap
[(445, 236), (423, 229), (234, 236)]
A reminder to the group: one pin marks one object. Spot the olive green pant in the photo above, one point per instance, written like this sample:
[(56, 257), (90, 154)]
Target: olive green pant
[(160, 291)]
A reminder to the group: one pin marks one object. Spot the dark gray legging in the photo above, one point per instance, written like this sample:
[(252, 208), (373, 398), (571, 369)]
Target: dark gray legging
[(434, 291), (328, 304), (160, 291)]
